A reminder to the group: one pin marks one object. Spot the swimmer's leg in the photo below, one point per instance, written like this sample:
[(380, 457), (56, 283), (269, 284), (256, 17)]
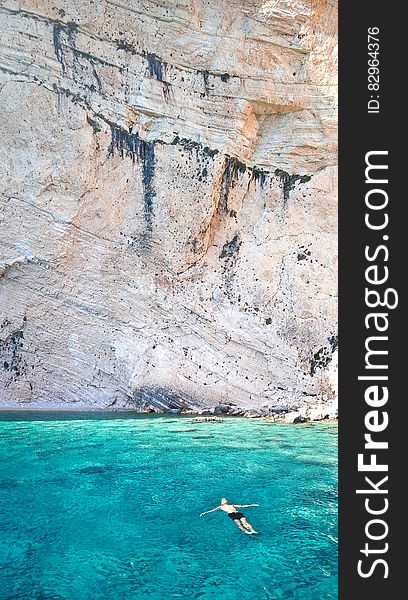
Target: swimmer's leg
[(239, 525), (247, 526)]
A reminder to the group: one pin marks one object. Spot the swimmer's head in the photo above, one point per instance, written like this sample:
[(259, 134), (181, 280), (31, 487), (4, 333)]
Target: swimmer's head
[(224, 501)]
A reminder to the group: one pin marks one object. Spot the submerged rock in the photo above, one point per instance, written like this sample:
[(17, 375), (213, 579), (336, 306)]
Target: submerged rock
[(322, 413), (294, 417), (222, 409), (207, 420)]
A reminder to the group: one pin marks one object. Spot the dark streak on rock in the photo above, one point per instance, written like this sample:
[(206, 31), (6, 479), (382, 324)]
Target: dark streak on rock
[(61, 30), (191, 145), (205, 75), (69, 29), (304, 253), (10, 349), (123, 142), (64, 35), (148, 162), (157, 69), (166, 90), (288, 181), (232, 169), (230, 248), (259, 176), (75, 98), (131, 145), (95, 59), (124, 45), (96, 75), (126, 143), (323, 356), (95, 126), (158, 399), (156, 66)]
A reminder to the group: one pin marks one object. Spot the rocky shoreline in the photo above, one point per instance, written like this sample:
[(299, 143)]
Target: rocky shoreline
[(303, 415)]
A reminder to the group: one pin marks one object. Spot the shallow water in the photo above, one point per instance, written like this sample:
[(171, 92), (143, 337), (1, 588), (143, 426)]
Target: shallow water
[(96, 506)]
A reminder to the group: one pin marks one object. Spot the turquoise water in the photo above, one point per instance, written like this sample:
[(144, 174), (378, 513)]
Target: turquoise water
[(96, 506)]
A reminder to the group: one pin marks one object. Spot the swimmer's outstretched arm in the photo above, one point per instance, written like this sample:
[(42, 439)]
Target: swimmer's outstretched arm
[(245, 505), (208, 511)]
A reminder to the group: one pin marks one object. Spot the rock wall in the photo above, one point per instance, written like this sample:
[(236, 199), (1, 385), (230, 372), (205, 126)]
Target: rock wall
[(168, 204)]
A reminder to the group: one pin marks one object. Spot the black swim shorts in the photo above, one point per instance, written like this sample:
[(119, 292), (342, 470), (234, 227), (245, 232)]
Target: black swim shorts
[(235, 515)]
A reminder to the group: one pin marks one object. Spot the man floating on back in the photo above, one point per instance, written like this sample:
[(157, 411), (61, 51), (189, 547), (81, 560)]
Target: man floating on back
[(234, 514)]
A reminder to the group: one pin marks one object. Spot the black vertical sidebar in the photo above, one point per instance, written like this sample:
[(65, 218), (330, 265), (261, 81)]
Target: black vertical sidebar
[(360, 132)]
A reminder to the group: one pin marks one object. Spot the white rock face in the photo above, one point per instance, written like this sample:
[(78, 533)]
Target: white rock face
[(168, 204)]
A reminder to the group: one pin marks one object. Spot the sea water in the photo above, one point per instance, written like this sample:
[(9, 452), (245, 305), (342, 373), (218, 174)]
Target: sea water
[(106, 506)]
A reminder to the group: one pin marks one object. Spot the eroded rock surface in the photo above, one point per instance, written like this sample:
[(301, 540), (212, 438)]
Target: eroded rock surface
[(168, 204)]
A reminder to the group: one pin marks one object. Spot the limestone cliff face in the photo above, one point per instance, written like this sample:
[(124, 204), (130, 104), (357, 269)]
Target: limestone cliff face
[(168, 203)]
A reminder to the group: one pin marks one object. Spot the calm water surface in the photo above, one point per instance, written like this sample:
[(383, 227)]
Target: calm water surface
[(96, 506)]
